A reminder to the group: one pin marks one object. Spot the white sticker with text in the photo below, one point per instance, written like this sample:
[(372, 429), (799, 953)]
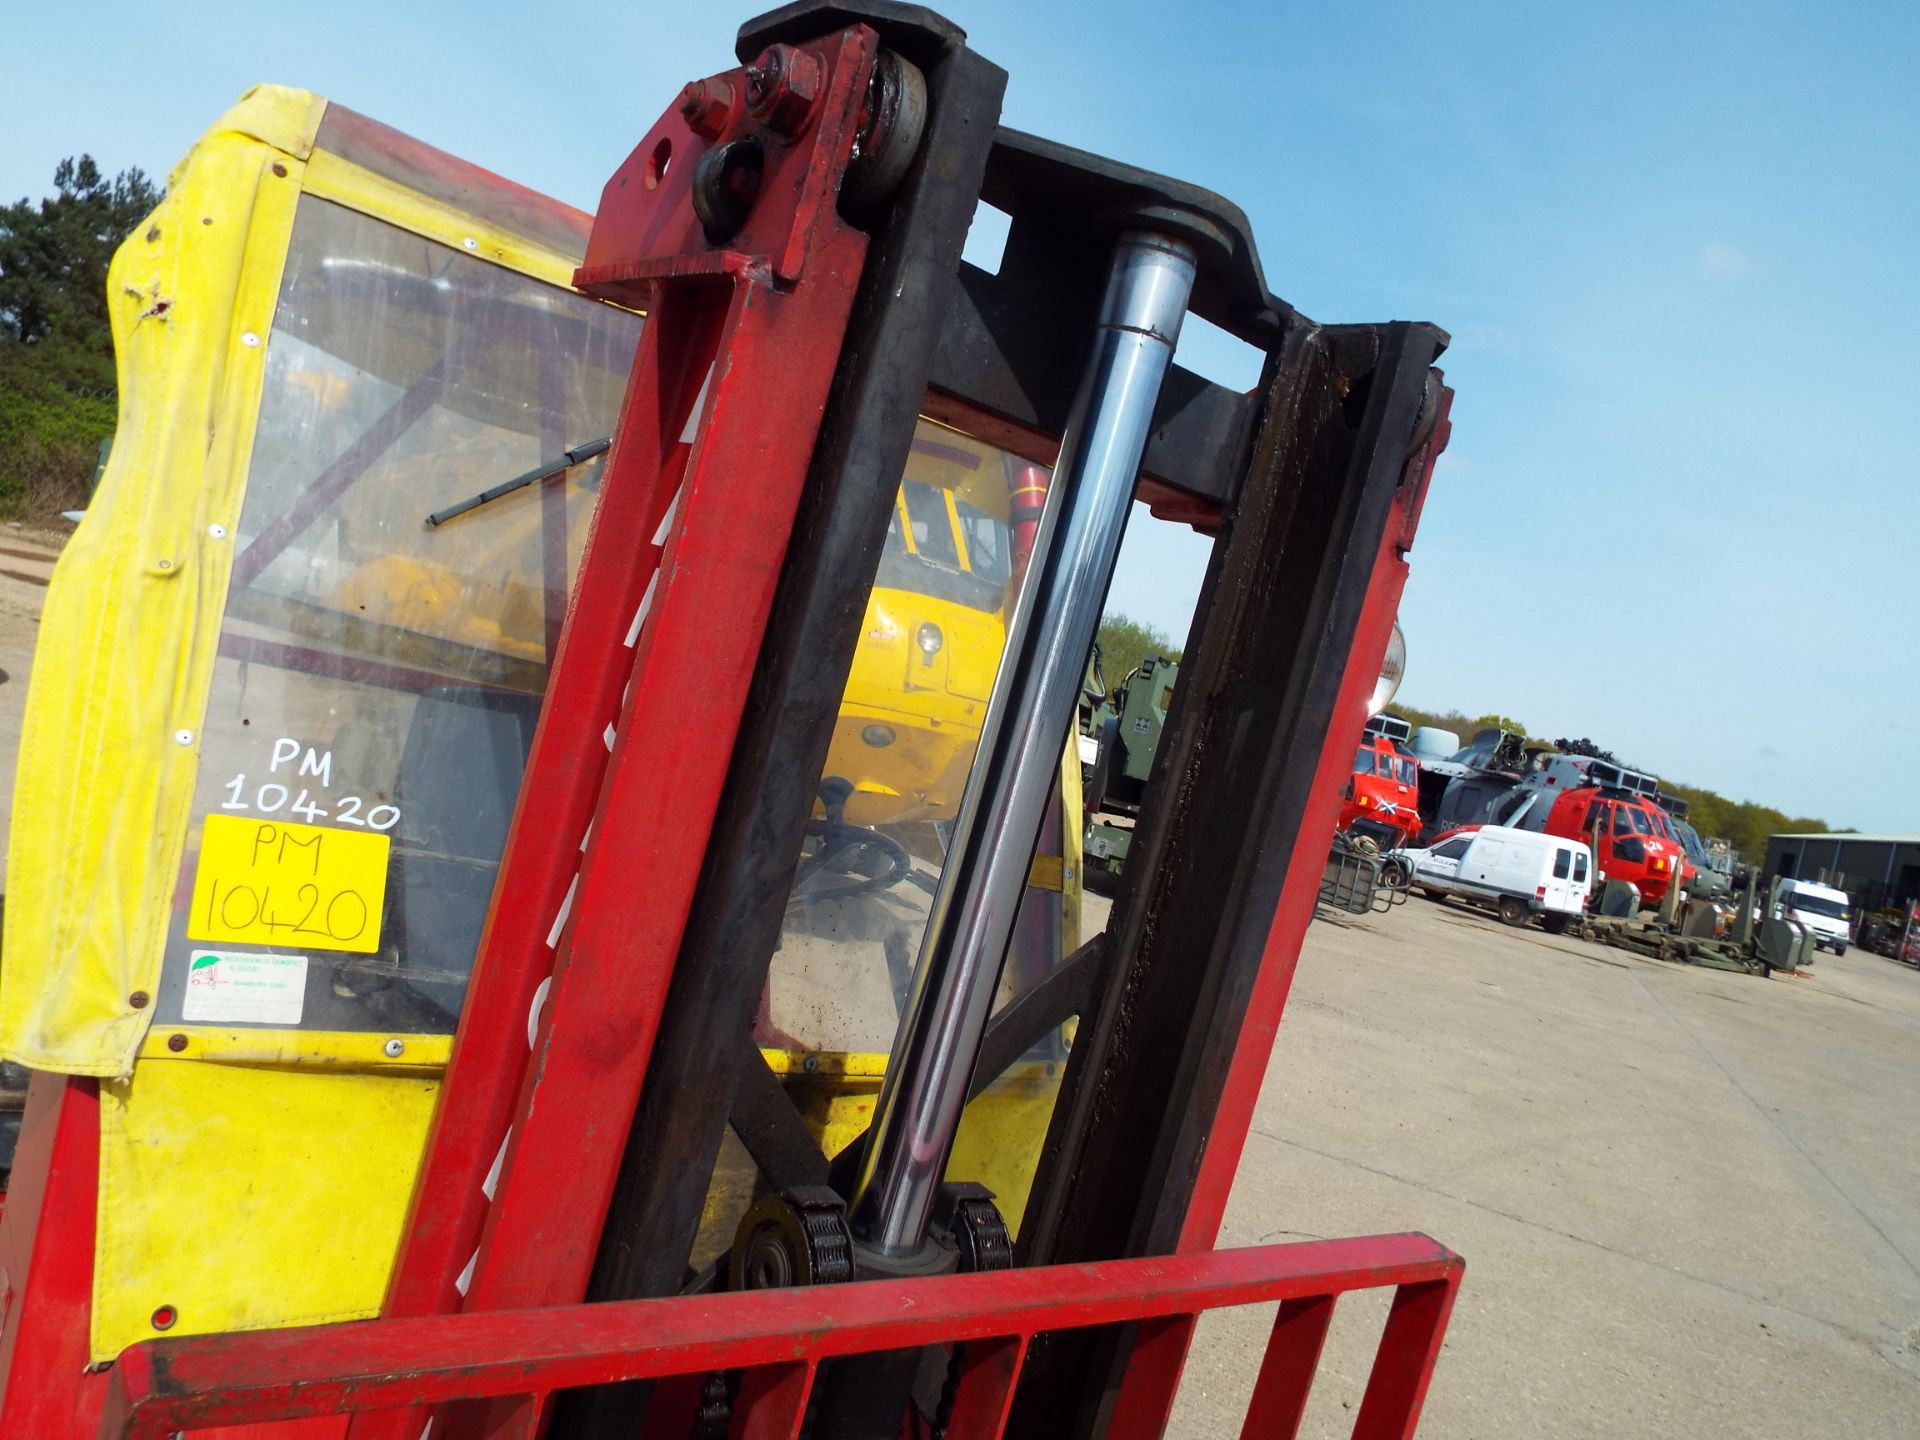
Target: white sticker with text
[(253, 989)]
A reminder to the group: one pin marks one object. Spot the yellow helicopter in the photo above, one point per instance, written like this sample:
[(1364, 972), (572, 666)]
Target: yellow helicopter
[(934, 628)]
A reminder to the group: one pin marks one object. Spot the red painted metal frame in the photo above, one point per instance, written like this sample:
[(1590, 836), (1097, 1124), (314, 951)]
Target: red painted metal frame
[(1227, 1137), (780, 1338), (46, 1264), (669, 609)]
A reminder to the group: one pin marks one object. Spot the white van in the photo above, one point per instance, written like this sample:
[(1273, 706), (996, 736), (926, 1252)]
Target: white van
[(1520, 873), (1821, 908)]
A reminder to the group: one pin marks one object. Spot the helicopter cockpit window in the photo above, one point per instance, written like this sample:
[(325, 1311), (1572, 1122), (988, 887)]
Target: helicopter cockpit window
[(932, 526), (987, 544), (378, 679), (1363, 762), (926, 558)]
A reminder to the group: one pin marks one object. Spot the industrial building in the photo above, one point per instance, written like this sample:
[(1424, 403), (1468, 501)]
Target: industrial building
[(1875, 870)]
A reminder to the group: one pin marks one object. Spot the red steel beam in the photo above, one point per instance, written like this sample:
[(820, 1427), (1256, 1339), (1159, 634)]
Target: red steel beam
[(696, 506), (1286, 1374), (780, 1337), (1213, 1180), (1403, 1365), (771, 361), (46, 1263), (565, 768)]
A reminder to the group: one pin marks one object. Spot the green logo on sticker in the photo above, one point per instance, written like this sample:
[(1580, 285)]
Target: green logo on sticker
[(201, 962)]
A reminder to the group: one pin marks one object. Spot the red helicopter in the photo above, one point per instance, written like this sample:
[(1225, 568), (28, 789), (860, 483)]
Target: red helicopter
[(1382, 800), (1572, 790)]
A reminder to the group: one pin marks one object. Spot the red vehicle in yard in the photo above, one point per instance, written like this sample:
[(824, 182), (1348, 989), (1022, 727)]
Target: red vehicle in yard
[(1496, 781), (458, 1165), (1614, 810), (1632, 838), (1382, 799)]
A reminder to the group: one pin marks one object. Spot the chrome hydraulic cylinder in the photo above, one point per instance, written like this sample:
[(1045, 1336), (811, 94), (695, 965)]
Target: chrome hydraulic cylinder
[(1027, 721)]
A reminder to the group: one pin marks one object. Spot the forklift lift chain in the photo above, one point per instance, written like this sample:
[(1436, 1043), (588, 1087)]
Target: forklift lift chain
[(715, 1416), (794, 1237), (800, 1237), (974, 1223)]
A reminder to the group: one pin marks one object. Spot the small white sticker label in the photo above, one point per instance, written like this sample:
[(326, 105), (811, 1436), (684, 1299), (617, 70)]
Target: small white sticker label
[(253, 989)]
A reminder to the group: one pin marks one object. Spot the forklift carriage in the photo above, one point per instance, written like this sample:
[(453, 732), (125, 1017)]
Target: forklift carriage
[(546, 885)]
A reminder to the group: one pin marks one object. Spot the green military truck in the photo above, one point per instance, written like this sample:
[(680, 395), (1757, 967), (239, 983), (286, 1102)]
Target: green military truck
[(1118, 736)]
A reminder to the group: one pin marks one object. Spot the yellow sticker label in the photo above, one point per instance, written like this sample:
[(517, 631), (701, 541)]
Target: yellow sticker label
[(272, 882)]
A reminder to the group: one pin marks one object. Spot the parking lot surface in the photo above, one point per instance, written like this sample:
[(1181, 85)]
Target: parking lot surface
[(1686, 1198)]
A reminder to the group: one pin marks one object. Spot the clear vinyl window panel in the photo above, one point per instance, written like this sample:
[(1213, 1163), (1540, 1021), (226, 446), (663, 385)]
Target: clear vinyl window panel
[(909, 722), (378, 679), (856, 914)]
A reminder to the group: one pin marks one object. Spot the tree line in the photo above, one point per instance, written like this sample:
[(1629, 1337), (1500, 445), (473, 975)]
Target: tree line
[(57, 385)]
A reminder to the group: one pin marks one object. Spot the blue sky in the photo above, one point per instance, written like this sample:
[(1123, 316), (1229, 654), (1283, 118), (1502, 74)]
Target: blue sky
[(1674, 244)]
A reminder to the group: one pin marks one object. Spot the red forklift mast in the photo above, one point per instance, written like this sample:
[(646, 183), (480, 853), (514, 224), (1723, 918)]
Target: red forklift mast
[(792, 228)]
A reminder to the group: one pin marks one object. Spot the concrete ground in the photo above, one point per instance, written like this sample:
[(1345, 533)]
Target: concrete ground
[(26, 564), (1686, 1199)]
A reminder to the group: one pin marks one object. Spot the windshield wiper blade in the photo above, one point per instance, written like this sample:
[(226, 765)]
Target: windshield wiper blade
[(579, 455)]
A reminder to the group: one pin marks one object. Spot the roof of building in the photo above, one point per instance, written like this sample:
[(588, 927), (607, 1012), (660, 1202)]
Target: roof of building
[(1850, 838)]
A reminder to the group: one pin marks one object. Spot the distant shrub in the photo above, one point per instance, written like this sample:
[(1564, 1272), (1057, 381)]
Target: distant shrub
[(50, 431), (56, 346)]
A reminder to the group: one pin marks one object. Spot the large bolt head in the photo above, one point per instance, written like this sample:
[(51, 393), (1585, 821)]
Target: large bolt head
[(782, 86), (707, 107)]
